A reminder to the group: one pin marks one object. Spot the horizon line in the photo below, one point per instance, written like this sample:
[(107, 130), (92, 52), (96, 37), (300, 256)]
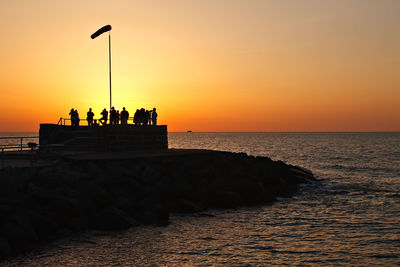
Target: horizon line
[(246, 131)]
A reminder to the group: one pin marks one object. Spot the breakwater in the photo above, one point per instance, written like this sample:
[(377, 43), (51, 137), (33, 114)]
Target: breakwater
[(41, 204)]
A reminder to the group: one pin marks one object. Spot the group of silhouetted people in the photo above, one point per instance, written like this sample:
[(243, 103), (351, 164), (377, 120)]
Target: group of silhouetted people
[(74, 117), (142, 117), (145, 117)]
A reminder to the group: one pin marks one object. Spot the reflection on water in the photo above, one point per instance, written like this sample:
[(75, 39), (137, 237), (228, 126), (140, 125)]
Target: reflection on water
[(353, 219)]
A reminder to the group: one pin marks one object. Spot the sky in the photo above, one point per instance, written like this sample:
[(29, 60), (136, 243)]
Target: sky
[(206, 65)]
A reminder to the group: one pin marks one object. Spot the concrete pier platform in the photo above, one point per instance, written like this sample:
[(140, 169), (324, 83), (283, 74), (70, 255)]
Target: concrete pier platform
[(103, 138)]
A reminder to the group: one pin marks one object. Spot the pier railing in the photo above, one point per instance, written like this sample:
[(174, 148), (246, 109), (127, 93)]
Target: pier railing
[(19, 143), (62, 121), (16, 144)]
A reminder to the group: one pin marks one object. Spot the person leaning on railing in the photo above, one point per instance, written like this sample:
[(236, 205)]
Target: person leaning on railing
[(104, 117)]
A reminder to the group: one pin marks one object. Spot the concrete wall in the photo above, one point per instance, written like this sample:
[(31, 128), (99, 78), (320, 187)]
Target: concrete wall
[(103, 138)]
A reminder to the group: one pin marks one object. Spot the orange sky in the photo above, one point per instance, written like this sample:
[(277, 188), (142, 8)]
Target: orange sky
[(226, 65)]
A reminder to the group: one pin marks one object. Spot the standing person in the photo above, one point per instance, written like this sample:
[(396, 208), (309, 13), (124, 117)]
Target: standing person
[(89, 117), (154, 116), (124, 116), (117, 117), (72, 117), (104, 117), (76, 118), (147, 117), (112, 115), (136, 117), (142, 117)]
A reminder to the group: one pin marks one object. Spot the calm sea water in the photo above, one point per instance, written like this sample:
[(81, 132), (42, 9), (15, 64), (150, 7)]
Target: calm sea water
[(353, 218)]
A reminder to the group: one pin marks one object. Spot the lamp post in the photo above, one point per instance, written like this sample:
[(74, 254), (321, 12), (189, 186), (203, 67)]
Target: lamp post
[(100, 31)]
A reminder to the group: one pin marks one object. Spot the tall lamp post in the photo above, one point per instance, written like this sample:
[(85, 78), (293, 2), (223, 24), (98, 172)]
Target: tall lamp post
[(100, 31)]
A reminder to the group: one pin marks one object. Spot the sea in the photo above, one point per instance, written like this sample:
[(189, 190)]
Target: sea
[(352, 218)]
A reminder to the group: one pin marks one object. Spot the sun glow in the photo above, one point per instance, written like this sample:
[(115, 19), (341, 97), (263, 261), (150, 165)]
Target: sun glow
[(205, 66)]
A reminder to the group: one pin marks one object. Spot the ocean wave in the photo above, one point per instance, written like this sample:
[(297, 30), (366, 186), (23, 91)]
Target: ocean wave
[(348, 188), (360, 169)]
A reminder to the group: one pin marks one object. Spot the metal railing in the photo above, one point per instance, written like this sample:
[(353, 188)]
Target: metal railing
[(84, 122), (19, 145)]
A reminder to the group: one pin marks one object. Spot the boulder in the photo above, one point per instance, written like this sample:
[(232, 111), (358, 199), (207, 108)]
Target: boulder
[(43, 225), (112, 218), (5, 249), (186, 206), (157, 215), (153, 210), (224, 200), (252, 193), (17, 236)]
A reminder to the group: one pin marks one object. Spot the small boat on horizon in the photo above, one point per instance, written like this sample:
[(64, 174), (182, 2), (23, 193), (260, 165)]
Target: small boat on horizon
[(190, 131)]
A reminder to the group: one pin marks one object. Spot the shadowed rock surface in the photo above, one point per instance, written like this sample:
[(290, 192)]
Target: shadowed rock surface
[(41, 204)]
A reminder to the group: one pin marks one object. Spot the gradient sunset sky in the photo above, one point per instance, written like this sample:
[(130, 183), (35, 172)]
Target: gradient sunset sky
[(206, 65)]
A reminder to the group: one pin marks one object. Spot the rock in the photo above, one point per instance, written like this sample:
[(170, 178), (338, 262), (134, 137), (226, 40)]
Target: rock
[(5, 249), (17, 236), (92, 195), (303, 175), (252, 193), (268, 195), (224, 200), (22, 219), (61, 209), (153, 211), (77, 223), (60, 176), (186, 206), (112, 218), (43, 203), (157, 215), (44, 227), (40, 193), (125, 203), (12, 181)]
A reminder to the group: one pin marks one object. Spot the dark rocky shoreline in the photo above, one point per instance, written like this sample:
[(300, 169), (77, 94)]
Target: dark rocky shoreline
[(41, 204)]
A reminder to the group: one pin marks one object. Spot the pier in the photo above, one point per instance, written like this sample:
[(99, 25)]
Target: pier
[(103, 138)]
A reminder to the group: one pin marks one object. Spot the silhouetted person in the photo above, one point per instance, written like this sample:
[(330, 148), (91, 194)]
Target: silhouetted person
[(141, 116), (113, 116), (76, 118), (72, 116), (146, 117), (124, 116), (89, 117), (104, 117), (95, 124), (136, 117), (154, 116), (117, 117)]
